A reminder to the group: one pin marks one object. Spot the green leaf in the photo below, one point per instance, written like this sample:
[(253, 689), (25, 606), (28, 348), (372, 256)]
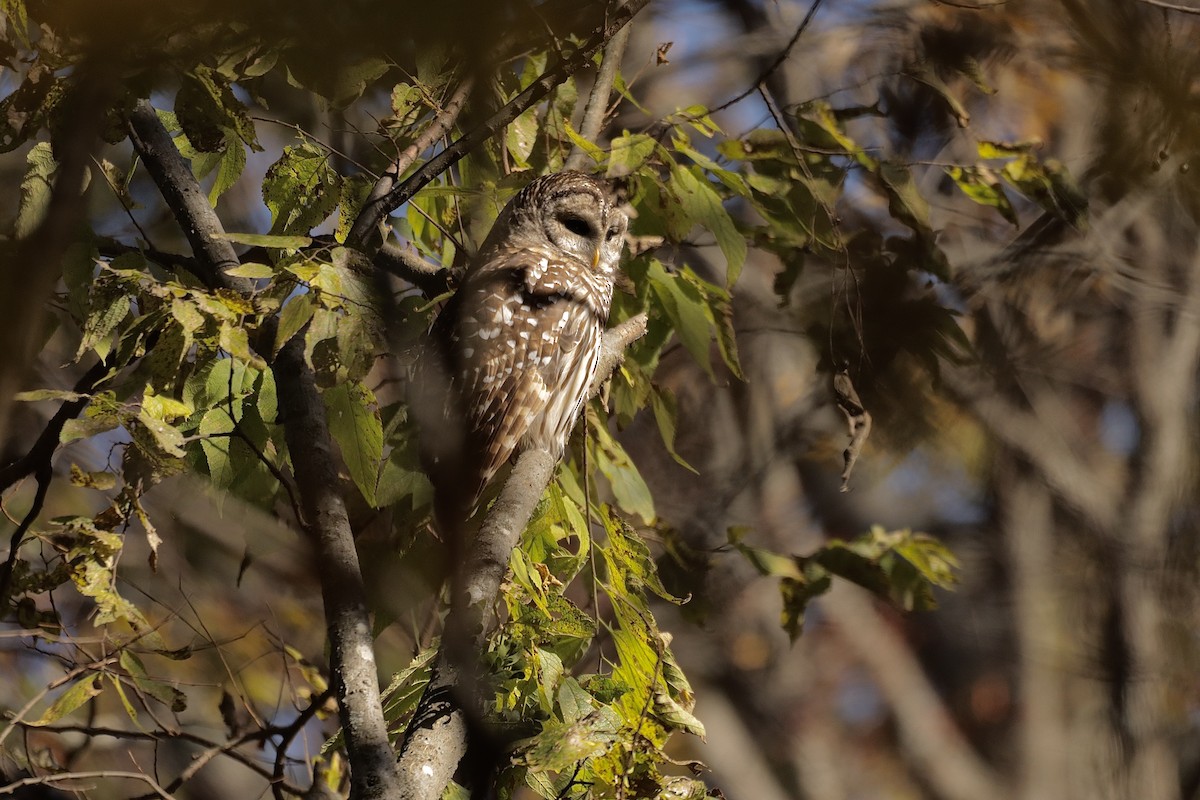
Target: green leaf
[(229, 167), (282, 242), (215, 427), (796, 595), (769, 563), (167, 438), (206, 109), (521, 135), (165, 408), (404, 690), (923, 74), (594, 151), (666, 416), (235, 340), (628, 486), (701, 203), (821, 114), (355, 191), (632, 558), (162, 691), (295, 315), (355, 425), (561, 746), (687, 312), (48, 394), (108, 308), (904, 200), (80, 692), (628, 152), (301, 189), (402, 477), (674, 715), (35, 189)]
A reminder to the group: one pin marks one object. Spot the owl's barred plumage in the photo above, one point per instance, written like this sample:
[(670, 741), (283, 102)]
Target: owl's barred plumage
[(512, 355)]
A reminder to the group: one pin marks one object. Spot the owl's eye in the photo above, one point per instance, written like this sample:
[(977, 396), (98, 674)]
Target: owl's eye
[(612, 233), (578, 226)]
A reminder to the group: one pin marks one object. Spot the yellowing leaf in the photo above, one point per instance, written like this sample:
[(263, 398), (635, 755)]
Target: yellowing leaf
[(282, 242), (251, 270), (80, 692), (981, 185)]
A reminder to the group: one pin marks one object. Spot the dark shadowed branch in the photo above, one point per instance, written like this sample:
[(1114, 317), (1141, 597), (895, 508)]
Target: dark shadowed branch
[(437, 737), (406, 265), (183, 194), (35, 262), (373, 773)]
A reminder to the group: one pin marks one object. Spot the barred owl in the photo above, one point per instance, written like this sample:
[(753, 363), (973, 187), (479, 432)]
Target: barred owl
[(512, 355)]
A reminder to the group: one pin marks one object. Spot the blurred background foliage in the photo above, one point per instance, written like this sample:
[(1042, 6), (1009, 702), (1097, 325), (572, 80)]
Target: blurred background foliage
[(983, 215)]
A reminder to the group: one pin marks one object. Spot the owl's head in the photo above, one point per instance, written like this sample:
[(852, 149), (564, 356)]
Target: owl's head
[(571, 212)]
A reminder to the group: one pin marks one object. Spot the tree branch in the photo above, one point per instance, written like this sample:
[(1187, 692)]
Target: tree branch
[(597, 104), (352, 662), (437, 737), (774, 65), (1171, 6), (374, 213), (352, 651), (432, 280), (184, 197), (369, 217)]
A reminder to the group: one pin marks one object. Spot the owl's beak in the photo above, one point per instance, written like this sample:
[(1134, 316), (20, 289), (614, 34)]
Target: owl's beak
[(596, 257)]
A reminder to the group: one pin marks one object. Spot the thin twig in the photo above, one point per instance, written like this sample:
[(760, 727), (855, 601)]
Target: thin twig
[(293, 730), (774, 65), (81, 776), (370, 215)]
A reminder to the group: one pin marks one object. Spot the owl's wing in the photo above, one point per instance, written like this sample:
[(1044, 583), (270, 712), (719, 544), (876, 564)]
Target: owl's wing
[(511, 337)]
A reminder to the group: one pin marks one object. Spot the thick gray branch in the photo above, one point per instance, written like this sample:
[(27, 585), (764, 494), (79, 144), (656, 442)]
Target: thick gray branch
[(352, 660), (438, 735), (184, 196), (352, 656)]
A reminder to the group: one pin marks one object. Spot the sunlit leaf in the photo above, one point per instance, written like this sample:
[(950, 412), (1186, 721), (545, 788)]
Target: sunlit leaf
[(73, 698), (301, 189)]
